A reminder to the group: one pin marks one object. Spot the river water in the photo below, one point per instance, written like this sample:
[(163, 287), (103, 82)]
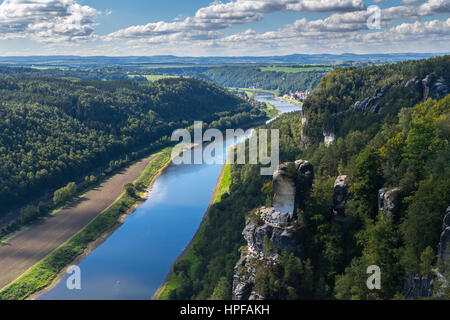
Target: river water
[(134, 261)]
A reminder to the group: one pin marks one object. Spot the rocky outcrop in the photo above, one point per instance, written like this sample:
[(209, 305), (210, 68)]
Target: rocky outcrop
[(434, 87), (269, 231), (418, 287), (304, 138), (429, 87), (328, 138), (444, 245), (389, 200), (284, 190), (414, 85), (341, 195), (370, 104)]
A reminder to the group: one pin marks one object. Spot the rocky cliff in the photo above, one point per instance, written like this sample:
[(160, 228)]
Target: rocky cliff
[(269, 231), (429, 87), (416, 286)]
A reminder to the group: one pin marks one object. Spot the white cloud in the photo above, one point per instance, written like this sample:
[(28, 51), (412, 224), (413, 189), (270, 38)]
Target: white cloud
[(434, 7), (46, 20), (218, 16)]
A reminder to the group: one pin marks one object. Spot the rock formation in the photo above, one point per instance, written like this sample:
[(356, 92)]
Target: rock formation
[(328, 138), (429, 87), (417, 286), (444, 245), (370, 104), (341, 195), (389, 200), (275, 225)]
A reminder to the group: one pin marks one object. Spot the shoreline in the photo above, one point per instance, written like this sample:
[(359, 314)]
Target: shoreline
[(92, 245), (162, 287), (102, 238), (33, 294)]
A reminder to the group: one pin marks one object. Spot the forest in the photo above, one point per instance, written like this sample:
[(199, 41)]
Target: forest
[(55, 131), (404, 145), (254, 77)]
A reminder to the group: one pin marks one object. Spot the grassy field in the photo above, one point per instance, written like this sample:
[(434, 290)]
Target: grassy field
[(173, 281), (255, 92), (43, 273), (271, 111), (297, 69)]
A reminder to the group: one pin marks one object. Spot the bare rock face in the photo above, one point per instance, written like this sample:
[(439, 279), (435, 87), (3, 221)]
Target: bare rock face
[(414, 85), (422, 287), (418, 287), (444, 245), (341, 195), (272, 230), (291, 182), (284, 189), (304, 181), (370, 104), (429, 87), (434, 87), (328, 138), (389, 200), (304, 138)]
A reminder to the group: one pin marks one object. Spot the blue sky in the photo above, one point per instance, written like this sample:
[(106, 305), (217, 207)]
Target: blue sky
[(233, 27)]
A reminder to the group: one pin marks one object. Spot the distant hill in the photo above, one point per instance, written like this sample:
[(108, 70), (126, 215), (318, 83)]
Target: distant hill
[(168, 59)]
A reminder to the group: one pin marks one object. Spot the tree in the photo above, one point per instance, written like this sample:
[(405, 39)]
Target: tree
[(369, 179), (222, 290), (130, 189), (63, 195)]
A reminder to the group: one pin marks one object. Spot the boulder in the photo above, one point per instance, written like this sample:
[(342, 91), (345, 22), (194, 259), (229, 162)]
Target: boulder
[(389, 200)]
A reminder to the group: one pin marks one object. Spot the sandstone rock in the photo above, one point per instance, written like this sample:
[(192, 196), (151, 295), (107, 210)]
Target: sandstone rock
[(284, 190), (446, 223), (370, 104), (305, 177), (433, 87), (417, 287), (275, 224), (444, 244), (414, 85), (341, 195), (328, 138), (389, 200)]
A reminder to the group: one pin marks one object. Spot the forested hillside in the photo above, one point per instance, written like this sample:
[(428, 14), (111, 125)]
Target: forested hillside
[(254, 77), (53, 131), (395, 140)]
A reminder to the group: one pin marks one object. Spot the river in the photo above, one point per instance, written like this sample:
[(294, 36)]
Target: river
[(133, 262)]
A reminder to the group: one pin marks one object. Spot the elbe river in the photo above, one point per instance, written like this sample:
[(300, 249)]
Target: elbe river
[(133, 262)]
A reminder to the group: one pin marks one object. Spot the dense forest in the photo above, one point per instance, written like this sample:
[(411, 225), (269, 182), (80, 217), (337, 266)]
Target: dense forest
[(54, 131), (254, 77), (400, 141)]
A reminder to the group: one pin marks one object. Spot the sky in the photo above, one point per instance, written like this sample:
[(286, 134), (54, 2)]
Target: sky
[(222, 28)]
